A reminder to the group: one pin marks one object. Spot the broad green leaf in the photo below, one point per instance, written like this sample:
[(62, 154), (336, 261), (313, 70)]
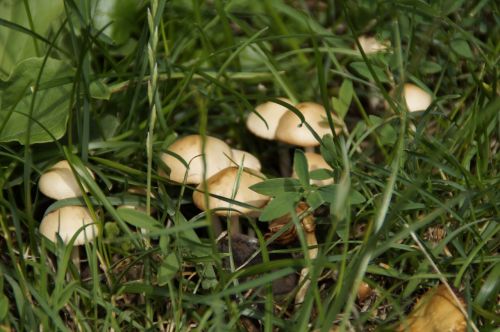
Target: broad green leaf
[(362, 69), (4, 306), (339, 107), (16, 45), (168, 269), (387, 133), (300, 167), (109, 124), (346, 91), (99, 90), (342, 103), (138, 219), (330, 195), (277, 186), (117, 17), (462, 48), (355, 197), (328, 150), (428, 67), (279, 206), (51, 104), (314, 199), (321, 174)]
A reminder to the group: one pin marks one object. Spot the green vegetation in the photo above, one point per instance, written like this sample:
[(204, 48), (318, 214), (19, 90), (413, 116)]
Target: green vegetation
[(110, 84)]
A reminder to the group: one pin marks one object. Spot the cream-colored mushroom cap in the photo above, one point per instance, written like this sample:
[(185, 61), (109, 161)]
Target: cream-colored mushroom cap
[(248, 159), (291, 131), (271, 112), (224, 184), (371, 45), (416, 98), (59, 182), (316, 161), (66, 221), (189, 148)]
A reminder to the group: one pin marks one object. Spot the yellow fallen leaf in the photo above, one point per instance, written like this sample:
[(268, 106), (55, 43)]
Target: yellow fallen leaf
[(436, 311)]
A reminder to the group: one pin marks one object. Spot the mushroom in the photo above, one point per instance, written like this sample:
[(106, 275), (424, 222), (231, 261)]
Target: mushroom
[(416, 98), (66, 222), (371, 45), (245, 159), (190, 149), (231, 184), (264, 126), (290, 130), (271, 112), (59, 182), (364, 291), (316, 161)]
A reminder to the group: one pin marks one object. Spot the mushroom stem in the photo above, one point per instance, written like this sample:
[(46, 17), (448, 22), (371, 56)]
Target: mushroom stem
[(284, 160), (75, 258), (304, 281), (216, 224), (309, 149), (234, 226)]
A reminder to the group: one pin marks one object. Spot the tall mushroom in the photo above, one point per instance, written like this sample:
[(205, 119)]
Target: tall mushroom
[(233, 185)]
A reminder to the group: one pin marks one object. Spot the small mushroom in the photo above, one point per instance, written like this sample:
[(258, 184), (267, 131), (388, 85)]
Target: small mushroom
[(371, 45), (290, 130), (59, 182), (264, 126), (66, 222), (190, 149), (231, 184), (364, 291), (271, 112), (416, 98)]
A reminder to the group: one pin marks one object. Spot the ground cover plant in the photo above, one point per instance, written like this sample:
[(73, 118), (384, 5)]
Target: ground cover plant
[(397, 229)]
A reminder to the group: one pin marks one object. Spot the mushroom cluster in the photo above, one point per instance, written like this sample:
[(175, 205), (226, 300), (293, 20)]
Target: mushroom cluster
[(210, 163), (273, 121), (59, 182)]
